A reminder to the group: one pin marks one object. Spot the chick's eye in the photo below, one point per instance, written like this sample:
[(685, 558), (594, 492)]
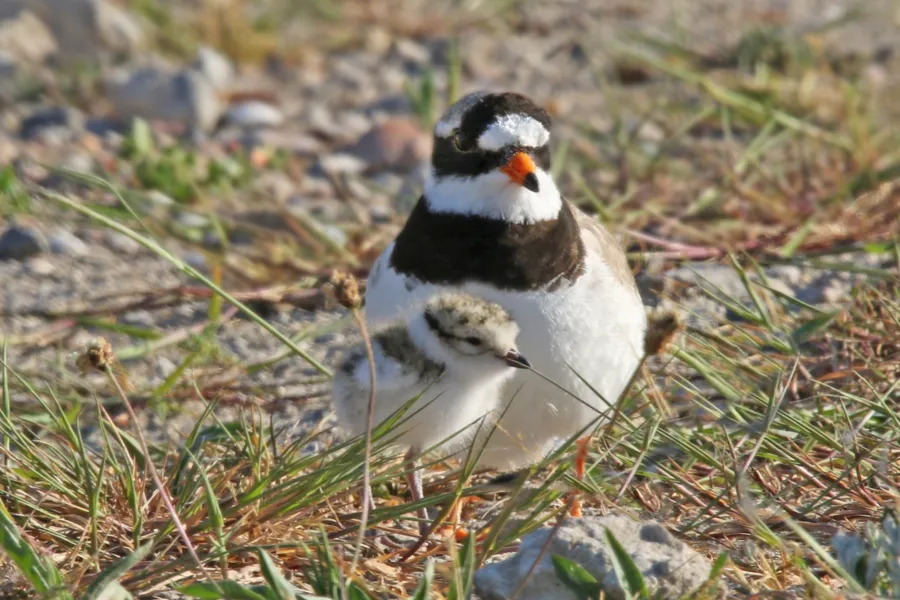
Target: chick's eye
[(474, 341)]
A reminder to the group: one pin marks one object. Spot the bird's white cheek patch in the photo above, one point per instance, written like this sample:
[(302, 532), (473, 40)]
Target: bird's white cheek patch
[(514, 130)]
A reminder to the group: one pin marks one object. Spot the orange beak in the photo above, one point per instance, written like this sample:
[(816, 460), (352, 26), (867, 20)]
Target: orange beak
[(520, 169)]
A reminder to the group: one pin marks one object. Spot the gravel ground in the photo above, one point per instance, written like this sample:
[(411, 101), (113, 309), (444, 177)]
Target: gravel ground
[(356, 155)]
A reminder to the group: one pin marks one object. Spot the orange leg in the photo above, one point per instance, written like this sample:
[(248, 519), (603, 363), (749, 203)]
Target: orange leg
[(580, 460), (455, 518)]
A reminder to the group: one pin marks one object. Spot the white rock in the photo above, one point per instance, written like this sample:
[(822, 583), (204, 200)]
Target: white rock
[(24, 37), (156, 93), (215, 66), (39, 266), (121, 243), (342, 163), (164, 367), (254, 114), (670, 569), (412, 51), (68, 244)]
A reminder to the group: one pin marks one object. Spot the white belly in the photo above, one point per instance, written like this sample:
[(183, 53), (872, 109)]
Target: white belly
[(594, 329)]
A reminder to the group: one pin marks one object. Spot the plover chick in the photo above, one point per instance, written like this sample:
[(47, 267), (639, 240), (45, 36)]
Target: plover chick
[(455, 353)]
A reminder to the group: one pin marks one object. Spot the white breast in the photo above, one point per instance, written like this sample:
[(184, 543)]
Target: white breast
[(594, 327)]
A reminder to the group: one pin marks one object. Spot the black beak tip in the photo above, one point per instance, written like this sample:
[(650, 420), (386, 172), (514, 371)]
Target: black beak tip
[(514, 359), (531, 182)]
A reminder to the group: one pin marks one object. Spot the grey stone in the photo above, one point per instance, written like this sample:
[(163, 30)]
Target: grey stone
[(141, 318), (64, 117), (84, 29), (254, 114), (158, 198), (68, 244), (191, 220), (411, 51), (185, 97), (24, 37), (670, 568), (81, 162), (321, 121), (164, 367), (39, 266), (122, 244), (19, 243), (342, 163), (9, 77), (196, 260), (215, 66)]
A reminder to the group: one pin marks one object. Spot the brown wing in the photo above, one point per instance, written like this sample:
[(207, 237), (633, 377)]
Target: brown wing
[(598, 241)]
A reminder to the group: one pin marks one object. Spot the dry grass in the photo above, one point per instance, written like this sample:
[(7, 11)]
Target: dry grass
[(760, 437)]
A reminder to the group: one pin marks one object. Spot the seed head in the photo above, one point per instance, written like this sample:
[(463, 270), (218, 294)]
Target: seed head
[(662, 327), (98, 357), (346, 290)]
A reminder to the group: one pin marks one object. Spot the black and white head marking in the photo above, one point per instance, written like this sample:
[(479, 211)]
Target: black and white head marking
[(491, 158)]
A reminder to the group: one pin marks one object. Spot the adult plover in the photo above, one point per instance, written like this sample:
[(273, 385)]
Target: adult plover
[(455, 354), (491, 222)]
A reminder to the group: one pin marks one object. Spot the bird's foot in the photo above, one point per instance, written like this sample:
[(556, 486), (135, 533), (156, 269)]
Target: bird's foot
[(580, 462)]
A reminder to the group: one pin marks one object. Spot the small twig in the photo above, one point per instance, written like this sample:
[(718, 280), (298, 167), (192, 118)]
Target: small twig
[(370, 424), (100, 357), (346, 291)]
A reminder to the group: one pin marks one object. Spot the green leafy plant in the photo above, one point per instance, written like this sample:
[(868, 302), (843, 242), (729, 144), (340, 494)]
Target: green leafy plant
[(13, 197), (576, 578), (177, 171)]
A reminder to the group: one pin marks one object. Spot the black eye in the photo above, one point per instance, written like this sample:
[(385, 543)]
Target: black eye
[(460, 141), (474, 341)]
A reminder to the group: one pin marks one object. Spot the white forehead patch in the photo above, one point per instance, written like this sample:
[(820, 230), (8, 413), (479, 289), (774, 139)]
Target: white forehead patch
[(514, 130), (452, 119)]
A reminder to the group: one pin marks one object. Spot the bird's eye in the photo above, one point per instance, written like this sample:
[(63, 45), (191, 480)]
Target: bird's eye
[(459, 140), (474, 341)]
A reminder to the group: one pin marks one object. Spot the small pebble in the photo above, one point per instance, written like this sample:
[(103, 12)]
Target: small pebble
[(164, 367), (39, 266), (196, 260), (254, 114), (121, 243), (64, 118), (19, 243), (192, 220), (215, 66), (68, 244)]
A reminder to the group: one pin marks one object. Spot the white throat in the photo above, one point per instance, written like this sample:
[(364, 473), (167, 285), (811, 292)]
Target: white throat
[(493, 195)]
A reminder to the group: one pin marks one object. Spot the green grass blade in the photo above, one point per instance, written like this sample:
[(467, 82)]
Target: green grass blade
[(575, 577), (115, 571), (42, 574), (630, 577), (191, 272)]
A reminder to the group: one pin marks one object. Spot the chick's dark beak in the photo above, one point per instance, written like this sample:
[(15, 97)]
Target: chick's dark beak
[(514, 359), (530, 182)]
